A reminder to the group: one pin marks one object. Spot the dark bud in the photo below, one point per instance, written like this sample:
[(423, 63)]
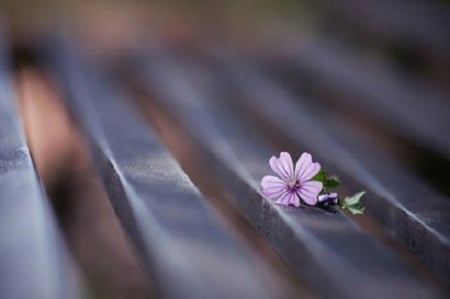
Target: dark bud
[(328, 199)]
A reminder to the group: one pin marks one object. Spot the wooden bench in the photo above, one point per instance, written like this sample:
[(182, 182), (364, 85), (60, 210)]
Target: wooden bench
[(237, 114), (323, 73)]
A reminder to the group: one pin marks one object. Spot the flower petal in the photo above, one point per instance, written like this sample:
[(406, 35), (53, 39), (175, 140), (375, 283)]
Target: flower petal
[(305, 169), (295, 201), (286, 198), (283, 166), (302, 163), (309, 191), (309, 173), (272, 186)]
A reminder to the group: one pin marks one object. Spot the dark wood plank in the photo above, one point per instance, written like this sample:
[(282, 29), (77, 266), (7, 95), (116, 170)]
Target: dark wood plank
[(323, 248), (34, 261), (187, 250), (418, 216)]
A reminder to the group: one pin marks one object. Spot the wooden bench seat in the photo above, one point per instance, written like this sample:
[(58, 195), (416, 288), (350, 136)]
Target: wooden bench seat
[(331, 246), (237, 112), (418, 215), (187, 250)]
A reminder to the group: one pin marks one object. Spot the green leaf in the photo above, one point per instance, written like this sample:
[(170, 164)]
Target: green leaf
[(355, 199), (353, 203), (356, 209), (321, 176), (332, 183)]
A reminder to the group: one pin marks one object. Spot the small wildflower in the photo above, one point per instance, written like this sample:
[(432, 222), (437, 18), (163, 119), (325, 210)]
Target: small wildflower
[(306, 182), (293, 183)]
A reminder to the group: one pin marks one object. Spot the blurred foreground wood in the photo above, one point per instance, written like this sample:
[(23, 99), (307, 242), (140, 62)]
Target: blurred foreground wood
[(91, 228)]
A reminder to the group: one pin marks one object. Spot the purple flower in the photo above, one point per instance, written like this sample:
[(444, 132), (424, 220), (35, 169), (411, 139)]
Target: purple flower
[(293, 183)]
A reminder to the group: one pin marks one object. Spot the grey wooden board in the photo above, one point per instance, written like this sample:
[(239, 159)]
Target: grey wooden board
[(188, 251), (407, 105), (328, 250), (417, 215), (34, 261)]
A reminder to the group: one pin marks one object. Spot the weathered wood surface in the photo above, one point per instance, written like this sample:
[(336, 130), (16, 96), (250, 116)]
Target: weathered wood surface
[(187, 250), (417, 215), (236, 112), (323, 248), (34, 261)]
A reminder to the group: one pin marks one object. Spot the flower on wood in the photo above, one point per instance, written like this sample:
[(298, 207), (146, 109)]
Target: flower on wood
[(293, 184)]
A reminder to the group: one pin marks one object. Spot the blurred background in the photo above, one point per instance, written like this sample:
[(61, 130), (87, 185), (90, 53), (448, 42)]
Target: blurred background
[(381, 67), (409, 34)]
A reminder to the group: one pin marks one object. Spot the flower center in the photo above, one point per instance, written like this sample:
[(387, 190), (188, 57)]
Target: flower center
[(294, 186)]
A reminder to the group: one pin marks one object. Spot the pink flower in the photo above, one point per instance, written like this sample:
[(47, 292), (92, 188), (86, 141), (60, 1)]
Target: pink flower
[(293, 183)]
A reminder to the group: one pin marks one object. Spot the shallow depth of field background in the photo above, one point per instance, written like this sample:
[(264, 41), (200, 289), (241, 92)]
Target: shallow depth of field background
[(106, 29)]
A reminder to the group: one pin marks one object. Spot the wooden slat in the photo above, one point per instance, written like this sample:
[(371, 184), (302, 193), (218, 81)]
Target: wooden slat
[(417, 216), (34, 261), (403, 104), (187, 250), (328, 250)]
